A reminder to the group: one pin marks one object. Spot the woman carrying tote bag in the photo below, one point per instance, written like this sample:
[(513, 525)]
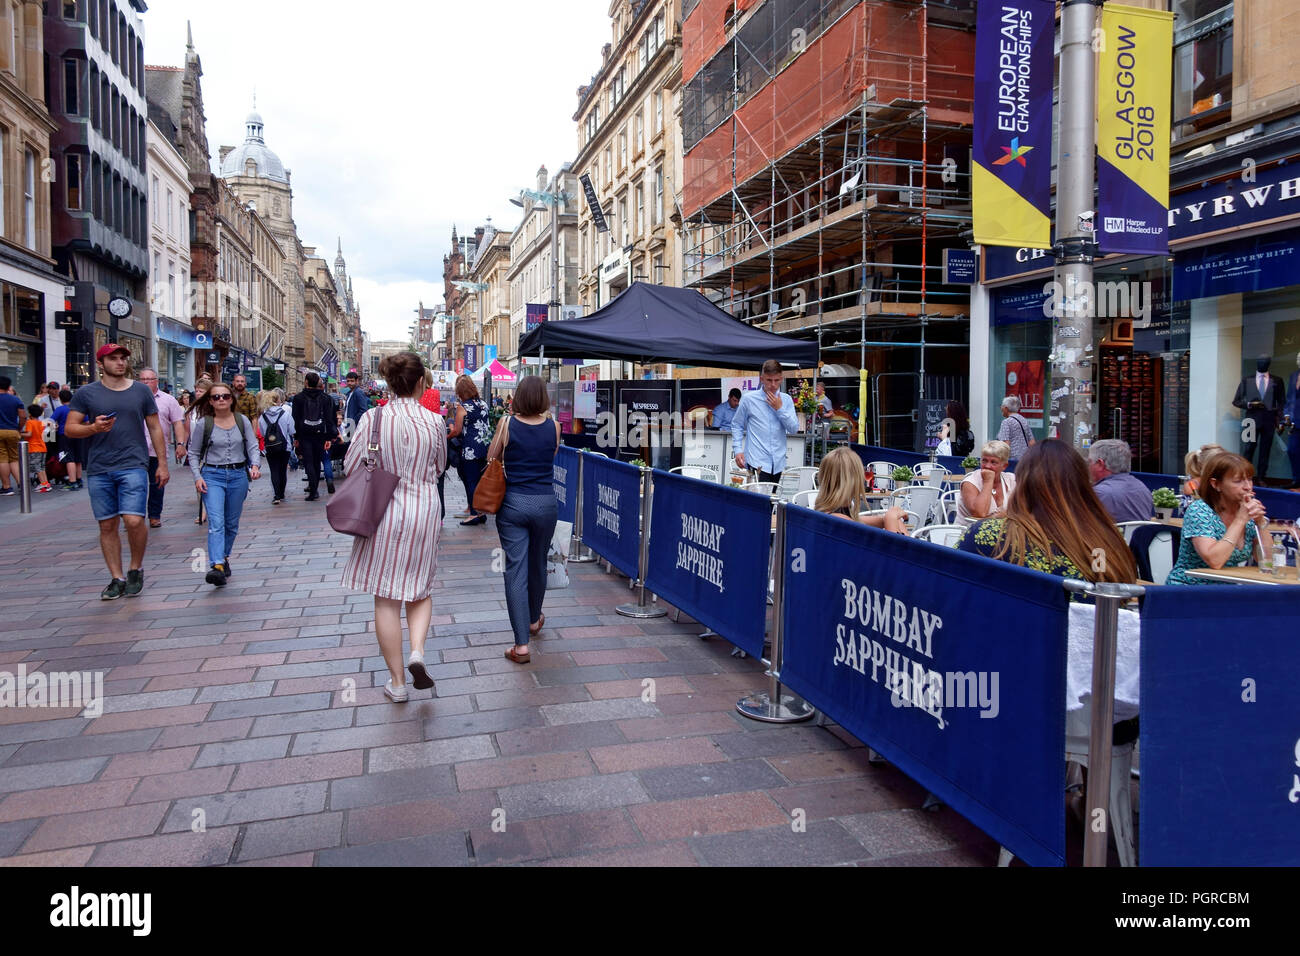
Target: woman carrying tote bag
[(526, 443), (397, 563)]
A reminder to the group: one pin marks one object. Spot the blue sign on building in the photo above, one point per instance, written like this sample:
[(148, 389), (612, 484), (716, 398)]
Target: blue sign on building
[(959, 267)]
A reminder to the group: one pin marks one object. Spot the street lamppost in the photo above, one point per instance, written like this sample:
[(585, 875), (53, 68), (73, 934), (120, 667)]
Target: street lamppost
[(478, 288), (553, 199)]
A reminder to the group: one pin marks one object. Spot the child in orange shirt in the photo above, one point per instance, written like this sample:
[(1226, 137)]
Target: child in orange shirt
[(35, 429)]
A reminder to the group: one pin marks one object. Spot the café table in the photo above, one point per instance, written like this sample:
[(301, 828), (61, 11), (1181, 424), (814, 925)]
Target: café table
[(1274, 527), (1245, 575)]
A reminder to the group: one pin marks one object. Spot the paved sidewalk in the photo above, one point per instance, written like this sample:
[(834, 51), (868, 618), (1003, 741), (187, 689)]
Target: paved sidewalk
[(248, 724)]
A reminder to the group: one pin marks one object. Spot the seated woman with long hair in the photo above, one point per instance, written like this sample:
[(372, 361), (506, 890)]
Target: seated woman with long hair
[(841, 490), (1055, 522), (1223, 527)]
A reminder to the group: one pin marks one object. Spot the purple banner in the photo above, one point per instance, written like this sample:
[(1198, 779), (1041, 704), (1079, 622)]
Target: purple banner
[(1012, 142), (534, 315), (1132, 221)]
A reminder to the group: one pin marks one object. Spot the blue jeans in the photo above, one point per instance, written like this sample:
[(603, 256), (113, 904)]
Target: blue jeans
[(526, 524), (122, 492), (227, 489)]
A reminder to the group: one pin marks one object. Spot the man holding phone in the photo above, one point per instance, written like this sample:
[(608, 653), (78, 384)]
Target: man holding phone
[(761, 423), (114, 415)]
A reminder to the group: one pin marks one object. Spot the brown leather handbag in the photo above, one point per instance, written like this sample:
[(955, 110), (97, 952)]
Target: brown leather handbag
[(359, 507), (491, 489)]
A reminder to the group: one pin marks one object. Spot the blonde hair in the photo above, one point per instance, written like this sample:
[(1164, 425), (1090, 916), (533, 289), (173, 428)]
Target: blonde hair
[(265, 399), (203, 383), (997, 449), (1195, 461), (841, 483)]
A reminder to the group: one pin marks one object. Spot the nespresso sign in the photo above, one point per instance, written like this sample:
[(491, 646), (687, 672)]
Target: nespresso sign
[(1274, 193)]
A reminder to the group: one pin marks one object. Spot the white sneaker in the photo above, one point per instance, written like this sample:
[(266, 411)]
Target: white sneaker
[(397, 695)]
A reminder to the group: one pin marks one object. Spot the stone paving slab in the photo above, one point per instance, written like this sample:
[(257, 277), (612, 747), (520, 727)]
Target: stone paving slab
[(247, 725)]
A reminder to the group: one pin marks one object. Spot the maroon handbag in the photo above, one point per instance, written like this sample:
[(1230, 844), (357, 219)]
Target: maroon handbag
[(359, 507)]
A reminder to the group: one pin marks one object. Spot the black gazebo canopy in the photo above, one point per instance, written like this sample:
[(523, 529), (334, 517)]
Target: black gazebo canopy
[(653, 323)]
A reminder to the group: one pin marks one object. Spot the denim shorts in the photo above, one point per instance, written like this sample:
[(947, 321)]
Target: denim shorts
[(124, 492)]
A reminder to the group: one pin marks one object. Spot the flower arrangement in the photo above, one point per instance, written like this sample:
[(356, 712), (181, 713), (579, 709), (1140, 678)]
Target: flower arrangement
[(805, 399)]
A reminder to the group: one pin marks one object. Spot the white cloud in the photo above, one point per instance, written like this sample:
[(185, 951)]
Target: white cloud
[(397, 124)]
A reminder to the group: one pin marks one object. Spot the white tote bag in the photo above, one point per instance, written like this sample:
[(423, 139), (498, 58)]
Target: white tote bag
[(557, 575)]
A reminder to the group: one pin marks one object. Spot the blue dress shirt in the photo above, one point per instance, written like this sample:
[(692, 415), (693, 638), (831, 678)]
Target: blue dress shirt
[(723, 415), (759, 431)]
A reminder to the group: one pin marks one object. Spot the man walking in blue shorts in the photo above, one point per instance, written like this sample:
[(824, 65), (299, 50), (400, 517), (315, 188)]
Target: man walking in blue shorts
[(113, 415)]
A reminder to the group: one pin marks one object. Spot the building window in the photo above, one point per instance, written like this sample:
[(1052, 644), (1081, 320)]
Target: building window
[(15, 41), (1202, 64), (640, 209), (153, 199), (625, 236), (29, 199), (172, 296), (74, 181), (593, 122), (71, 88), (617, 86), (171, 223), (659, 111), (639, 125), (69, 9), (4, 137), (92, 17), (622, 149), (609, 166), (658, 207)]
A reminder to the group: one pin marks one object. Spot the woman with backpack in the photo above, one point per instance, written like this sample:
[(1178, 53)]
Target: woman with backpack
[(223, 457), (192, 422), (276, 423)]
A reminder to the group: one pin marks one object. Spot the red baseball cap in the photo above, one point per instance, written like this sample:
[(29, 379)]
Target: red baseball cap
[(109, 349)]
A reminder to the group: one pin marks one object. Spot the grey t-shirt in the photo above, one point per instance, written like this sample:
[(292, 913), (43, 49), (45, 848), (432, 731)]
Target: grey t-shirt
[(123, 446), (227, 446)]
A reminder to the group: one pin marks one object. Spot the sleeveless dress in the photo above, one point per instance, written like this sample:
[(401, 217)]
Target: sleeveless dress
[(400, 560)]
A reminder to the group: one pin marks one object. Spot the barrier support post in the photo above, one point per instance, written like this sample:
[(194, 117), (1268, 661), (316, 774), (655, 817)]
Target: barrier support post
[(579, 553), (24, 481), (776, 706), (642, 609), (1109, 597)]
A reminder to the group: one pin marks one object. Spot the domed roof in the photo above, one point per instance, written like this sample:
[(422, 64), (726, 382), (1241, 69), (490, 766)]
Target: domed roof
[(264, 163)]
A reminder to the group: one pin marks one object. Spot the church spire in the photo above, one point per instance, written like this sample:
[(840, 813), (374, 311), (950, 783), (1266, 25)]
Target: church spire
[(189, 37)]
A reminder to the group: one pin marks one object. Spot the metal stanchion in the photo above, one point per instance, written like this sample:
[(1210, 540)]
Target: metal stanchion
[(776, 706), (1109, 597), (642, 609), (578, 552), (24, 482)]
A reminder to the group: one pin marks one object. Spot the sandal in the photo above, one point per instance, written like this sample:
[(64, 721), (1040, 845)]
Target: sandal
[(155, 523), (517, 658), (535, 628), (200, 520)]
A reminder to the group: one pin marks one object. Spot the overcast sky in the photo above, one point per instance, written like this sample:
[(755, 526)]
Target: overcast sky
[(397, 125)]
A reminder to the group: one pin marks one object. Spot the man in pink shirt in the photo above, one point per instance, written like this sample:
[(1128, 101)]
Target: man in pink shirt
[(170, 414)]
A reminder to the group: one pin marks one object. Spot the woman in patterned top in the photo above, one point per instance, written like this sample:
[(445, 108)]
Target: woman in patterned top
[(475, 431), (1055, 522), (1221, 529)]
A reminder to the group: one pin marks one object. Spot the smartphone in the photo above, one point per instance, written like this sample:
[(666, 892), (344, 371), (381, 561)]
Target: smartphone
[(110, 416)]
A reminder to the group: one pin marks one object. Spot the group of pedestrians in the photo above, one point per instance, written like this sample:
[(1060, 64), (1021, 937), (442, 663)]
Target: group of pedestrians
[(41, 425)]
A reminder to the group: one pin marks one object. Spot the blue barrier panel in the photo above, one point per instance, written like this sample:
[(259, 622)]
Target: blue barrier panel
[(1280, 505), (1220, 726), (949, 664), (611, 511), (564, 478), (708, 555)]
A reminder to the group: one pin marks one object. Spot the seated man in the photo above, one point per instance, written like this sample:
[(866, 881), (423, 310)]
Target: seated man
[(724, 413), (1122, 495)]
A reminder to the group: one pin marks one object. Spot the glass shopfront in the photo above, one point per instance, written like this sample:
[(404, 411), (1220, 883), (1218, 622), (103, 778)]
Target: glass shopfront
[(21, 324)]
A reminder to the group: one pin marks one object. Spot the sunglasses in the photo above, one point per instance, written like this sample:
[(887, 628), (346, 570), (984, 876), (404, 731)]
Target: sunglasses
[(224, 396)]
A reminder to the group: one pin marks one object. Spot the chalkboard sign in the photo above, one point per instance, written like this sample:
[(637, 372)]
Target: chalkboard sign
[(929, 420)]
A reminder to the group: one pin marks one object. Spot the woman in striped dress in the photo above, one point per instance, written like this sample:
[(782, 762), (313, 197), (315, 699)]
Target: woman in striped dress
[(398, 562)]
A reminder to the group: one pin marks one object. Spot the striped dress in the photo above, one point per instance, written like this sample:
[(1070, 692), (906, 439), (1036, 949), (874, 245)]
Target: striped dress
[(399, 561)]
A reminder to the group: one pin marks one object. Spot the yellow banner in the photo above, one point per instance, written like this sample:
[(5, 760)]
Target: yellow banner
[(1003, 217), (1134, 77)]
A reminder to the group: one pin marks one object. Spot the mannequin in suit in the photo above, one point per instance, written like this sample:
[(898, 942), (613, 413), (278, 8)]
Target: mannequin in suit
[(1293, 419), (1262, 397)]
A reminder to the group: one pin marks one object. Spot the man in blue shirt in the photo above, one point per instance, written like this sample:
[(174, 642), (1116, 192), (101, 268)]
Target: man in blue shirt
[(724, 413), (762, 421), (1122, 495), (10, 428)]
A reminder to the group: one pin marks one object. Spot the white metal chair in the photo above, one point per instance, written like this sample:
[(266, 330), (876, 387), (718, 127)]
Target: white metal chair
[(885, 468), (947, 505), (1126, 528), (600, 453), (760, 487), (948, 535), (924, 468), (1160, 552), (797, 479), (910, 517), (805, 499), (919, 498), (691, 471)]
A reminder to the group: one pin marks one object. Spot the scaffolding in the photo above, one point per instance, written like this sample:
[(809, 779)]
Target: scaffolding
[(827, 166)]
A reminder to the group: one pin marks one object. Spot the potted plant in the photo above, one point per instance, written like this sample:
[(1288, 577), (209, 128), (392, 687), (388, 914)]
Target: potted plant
[(902, 476), (805, 403), (971, 464), (1165, 501), (638, 463)]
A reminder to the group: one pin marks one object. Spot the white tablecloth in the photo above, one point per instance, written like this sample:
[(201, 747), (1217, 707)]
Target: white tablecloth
[(1078, 662)]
